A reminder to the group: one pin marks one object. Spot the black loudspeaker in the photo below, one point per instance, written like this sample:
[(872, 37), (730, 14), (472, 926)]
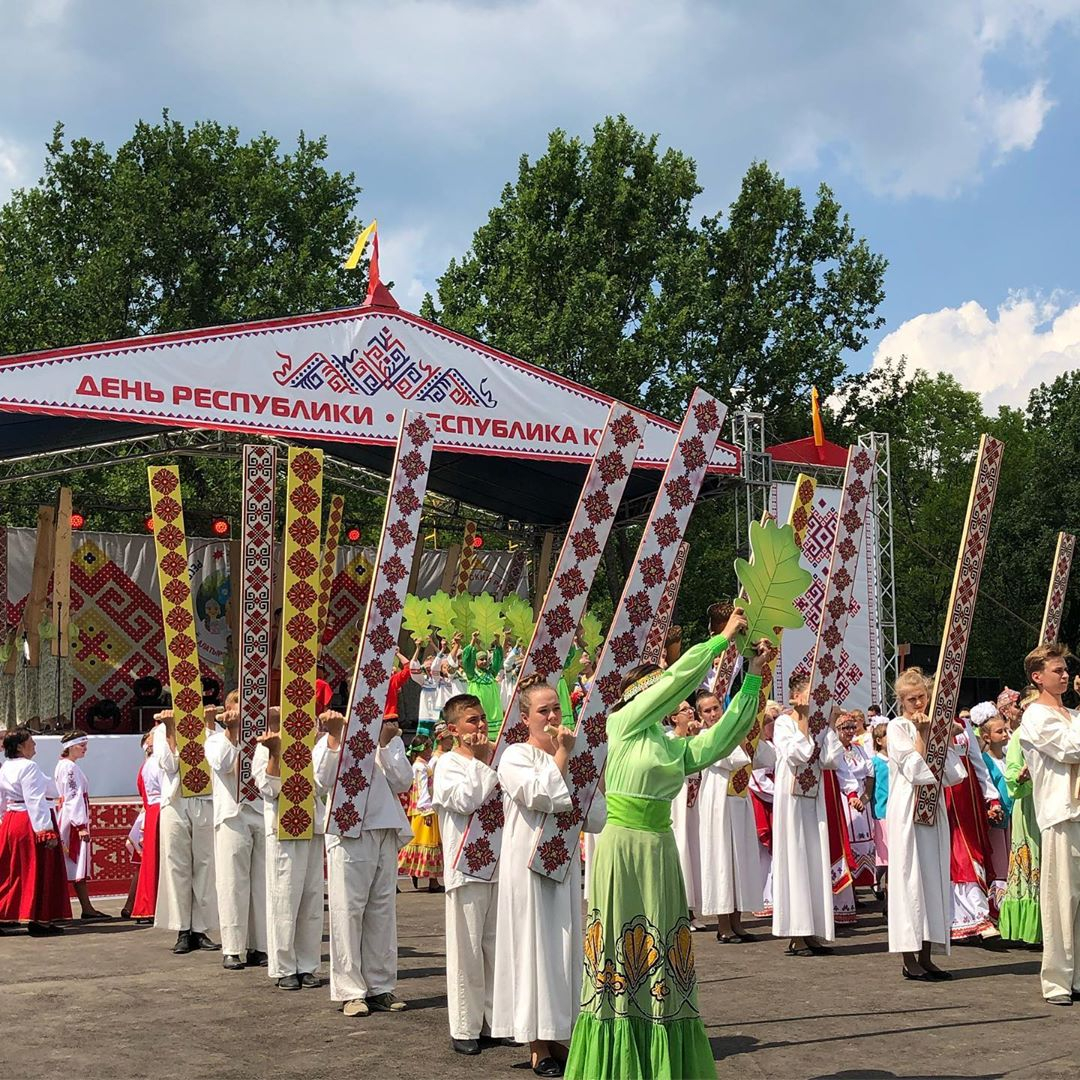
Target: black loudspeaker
[(922, 656)]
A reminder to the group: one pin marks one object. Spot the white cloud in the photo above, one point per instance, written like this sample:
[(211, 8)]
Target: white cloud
[(1030, 340), (14, 166), (1017, 121)]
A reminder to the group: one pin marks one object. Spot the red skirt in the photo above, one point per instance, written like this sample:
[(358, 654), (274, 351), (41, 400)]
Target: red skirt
[(146, 891), (33, 877)]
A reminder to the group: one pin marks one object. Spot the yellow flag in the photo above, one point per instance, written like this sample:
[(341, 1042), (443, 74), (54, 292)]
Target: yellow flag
[(819, 430), (360, 246)]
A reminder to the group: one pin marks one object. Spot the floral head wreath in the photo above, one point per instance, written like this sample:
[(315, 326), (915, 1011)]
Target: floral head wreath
[(638, 685)]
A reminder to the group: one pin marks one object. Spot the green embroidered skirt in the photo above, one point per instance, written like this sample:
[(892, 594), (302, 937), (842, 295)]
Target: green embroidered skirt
[(639, 1014), (1020, 918)]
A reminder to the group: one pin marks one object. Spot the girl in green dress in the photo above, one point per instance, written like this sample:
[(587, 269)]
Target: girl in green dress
[(639, 1014), (1020, 918)]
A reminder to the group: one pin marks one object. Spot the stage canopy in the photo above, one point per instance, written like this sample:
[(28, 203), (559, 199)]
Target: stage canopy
[(512, 438)]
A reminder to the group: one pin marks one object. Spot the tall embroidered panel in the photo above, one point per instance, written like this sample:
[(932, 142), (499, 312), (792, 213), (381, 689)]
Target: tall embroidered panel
[(329, 561), (300, 642), (256, 605), (665, 610), (382, 624), (561, 613), (1059, 585), (799, 519), (828, 653), (958, 620), (557, 840), (178, 622), (466, 560)]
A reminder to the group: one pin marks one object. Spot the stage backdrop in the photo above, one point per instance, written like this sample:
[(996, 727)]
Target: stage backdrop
[(859, 684), (117, 636)]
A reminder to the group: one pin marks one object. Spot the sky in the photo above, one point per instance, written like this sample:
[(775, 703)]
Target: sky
[(948, 131)]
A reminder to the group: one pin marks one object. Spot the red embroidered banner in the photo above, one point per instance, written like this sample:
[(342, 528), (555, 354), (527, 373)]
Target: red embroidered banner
[(561, 613), (557, 841), (665, 610), (1059, 584), (382, 624), (960, 614)]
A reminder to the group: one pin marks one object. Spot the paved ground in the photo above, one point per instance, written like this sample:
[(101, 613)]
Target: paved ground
[(112, 1002)]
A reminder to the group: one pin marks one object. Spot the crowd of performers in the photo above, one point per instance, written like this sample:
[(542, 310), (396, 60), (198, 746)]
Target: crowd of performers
[(689, 828)]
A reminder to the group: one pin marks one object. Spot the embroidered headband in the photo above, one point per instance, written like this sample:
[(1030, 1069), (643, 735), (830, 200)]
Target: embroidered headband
[(1008, 697), (638, 685), (68, 741)]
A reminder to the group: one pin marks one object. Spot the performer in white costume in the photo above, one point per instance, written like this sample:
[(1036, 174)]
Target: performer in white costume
[(685, 818), (1050, 738), (362, 877), (802, 881), (294, 872), (239, 850), (919, 888), (538, 941), (464, 781), (187, 896), (855, 770), (730, 866), (73, 818)]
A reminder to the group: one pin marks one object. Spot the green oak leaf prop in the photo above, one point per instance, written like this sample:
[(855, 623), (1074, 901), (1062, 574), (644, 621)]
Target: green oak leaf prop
[(462, 605), (416, 619), (772, 581), (441, 614), (592, 636), (487, 619), (519, 618)]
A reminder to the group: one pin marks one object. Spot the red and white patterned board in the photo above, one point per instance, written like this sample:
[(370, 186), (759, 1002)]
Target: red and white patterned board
[(329, 560), (178, 624), (382, 624), (256, 605), (958, 620), (858, 487), (665, 610), (1059, 584), (557, 842), (802, 504), (561, 612), (466, 560)]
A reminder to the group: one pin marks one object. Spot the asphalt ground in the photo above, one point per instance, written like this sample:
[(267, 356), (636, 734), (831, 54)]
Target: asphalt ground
[(111, 1001)]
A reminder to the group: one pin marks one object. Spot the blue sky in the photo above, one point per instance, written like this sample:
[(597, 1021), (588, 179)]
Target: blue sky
[(948, 131)]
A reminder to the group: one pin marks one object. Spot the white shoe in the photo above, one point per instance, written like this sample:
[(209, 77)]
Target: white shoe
[(356, 1007), (989, 935), (697, 924)]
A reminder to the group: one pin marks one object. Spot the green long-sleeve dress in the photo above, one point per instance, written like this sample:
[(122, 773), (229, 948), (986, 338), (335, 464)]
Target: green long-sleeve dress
[(639, 1013), (485, 686), (1020, 918)]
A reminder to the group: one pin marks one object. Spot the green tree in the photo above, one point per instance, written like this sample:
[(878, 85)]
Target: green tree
[(178, 228)]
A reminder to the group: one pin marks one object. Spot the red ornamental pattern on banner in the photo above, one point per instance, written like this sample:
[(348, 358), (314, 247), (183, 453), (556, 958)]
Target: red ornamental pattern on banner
[(557, 842), (561, 613), (382, 625), (654, 645), (802, 503), (836, 607), (1059, 584), (959, 618), (178, 623), (299, 643), (256, 601), (329, 555)]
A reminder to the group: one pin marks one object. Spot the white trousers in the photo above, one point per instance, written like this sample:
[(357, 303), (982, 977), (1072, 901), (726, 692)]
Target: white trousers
[(294, 905), (187, 899), (240, 854), (471, 911), (1059, 900), (361, 884)]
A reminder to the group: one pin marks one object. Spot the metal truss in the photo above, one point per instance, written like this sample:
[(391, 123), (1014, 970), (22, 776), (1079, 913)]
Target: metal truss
[(884, 568)]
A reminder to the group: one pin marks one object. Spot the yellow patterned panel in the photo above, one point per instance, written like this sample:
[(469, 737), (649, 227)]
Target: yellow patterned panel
[(300, 644), (178, 620)]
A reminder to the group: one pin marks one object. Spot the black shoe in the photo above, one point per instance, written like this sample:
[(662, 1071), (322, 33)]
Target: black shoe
[(232, 962), (256, 958), (920, 976), (40, 929), (937, 975), (801, 951), (727, 939), (144, 922), (125, 913), (470, 1047), (820, 950), (486, 1041), (94, 916), (201, 941), (289, 982), (548, 1067), (742, 935), (184, 944), (309, 981)]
